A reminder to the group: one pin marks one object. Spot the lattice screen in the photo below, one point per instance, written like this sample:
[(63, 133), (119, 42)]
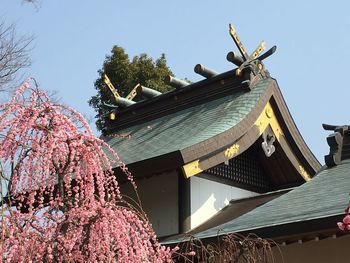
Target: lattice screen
[(244, 169)]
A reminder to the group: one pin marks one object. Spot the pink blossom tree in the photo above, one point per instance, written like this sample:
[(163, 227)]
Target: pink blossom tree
[(62, 201)]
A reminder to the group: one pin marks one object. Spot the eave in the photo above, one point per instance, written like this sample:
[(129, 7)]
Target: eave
[(269, 113), (239, 138)]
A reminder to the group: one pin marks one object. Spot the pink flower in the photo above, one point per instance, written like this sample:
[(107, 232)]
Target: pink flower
[(191, 253), (341, 226), (346, 219)]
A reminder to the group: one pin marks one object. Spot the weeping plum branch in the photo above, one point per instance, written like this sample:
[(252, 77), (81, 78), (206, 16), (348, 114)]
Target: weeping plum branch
[(51, 144)]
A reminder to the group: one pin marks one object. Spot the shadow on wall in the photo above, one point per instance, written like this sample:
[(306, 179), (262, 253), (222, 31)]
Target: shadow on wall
[(209, 197)]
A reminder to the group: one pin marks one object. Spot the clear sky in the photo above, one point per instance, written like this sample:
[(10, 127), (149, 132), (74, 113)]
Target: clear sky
[(311, 63)]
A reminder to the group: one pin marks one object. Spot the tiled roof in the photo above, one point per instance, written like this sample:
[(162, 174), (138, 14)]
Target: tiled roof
[(326, 195), (179, 130)]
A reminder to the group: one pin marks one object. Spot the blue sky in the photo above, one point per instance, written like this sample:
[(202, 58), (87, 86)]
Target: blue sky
[(310, 65)]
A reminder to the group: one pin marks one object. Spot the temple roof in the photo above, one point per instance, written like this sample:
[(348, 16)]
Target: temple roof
[(198, 126), (207, 123), (182, 129)]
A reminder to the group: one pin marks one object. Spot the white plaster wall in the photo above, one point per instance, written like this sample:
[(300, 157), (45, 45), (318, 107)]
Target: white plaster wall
[(209, 197), (159, 197)]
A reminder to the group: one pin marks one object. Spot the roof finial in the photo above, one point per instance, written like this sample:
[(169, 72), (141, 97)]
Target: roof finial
[(251, 64), (109, 84)]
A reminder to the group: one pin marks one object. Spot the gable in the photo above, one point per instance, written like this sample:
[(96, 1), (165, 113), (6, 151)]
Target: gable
[(221, 123)]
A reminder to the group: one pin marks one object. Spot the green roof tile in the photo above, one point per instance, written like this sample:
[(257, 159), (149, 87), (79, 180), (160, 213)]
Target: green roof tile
[(185, 128), (327, 194)]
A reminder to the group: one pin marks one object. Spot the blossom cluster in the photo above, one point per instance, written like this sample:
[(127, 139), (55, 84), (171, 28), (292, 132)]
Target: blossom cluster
[(345, 224), (63, 199)]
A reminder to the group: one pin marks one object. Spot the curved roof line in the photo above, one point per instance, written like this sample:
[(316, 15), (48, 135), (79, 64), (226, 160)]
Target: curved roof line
[(241, 136), (203, 132)]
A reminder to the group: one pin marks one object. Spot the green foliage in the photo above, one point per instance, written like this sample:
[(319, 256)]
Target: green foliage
[(125, 74)]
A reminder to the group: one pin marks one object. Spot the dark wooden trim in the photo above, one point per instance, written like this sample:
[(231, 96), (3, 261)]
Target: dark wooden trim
[(293, 157), (293, 136), (155, 165), (184, 188), (218, 156), (291, 230)]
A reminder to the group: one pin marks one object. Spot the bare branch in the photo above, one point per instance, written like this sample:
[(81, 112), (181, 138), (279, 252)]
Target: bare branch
[(14, 54), (35, 3)]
